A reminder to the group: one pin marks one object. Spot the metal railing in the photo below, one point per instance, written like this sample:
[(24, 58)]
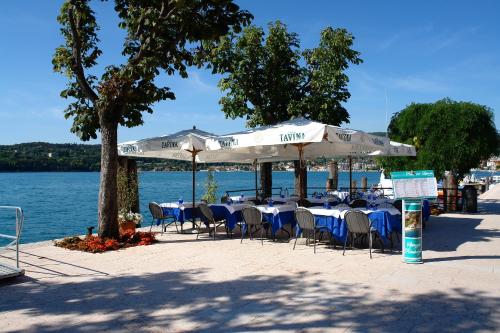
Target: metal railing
[(14, 240)]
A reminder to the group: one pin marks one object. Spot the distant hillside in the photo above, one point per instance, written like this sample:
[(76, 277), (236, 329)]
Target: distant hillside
[(42, 156)]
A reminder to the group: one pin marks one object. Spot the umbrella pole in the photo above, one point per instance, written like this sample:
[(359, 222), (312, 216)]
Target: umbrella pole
[(350, 177), (256, 183), (194, 186), (194, 152), (301, 174)]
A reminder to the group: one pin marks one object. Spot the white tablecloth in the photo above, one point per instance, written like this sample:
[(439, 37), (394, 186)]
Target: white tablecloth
[(276, 209), (245, 197), (341, 213), (177, 205), (231, 208), (341, 194)]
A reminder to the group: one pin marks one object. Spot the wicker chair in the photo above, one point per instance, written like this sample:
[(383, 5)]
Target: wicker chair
[(157, 214), (358, 224), (342, 206), (252, 217), (399, 205), (208, 216), (304, 203), (385, 205), (358, 203), (305, 221)]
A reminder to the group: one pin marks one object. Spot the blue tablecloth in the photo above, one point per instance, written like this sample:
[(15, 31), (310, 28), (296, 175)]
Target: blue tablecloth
[(279, 220), (222, 213), (179, 214), (381, 221)]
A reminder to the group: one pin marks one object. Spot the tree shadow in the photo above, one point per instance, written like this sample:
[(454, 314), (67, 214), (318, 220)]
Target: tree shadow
[(183, 301), (447, 233)]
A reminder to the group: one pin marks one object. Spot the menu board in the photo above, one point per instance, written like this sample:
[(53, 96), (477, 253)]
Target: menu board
[(414, 184)]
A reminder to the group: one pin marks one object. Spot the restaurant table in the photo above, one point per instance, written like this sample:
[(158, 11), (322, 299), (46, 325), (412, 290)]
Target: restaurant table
[(343, 195), (238, 198), (278, 216), (180, 212), (231, 213), (385, 221), (320, 201), (282, 200)]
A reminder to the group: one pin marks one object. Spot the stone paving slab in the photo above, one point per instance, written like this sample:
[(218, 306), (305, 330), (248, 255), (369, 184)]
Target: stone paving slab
[(182, 284)]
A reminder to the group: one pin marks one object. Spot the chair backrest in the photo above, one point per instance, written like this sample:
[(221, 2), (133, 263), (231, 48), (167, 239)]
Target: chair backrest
[(206, 212), (292, 203), (342, 205), (251, 216), (156, 210), (358, 203), (305, 219), (385, 205), (248, 202), (224, 198), (399, 205), (357, 222), (304, 203)]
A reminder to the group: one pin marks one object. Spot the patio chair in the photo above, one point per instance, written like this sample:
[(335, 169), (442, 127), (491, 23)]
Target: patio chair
[(342, 206), (248, 202), (252, 217), (157, 214), (399, 205), (385, 205), (358, 224), (304, 203), (358, 203), (208, 217), (305, 221)]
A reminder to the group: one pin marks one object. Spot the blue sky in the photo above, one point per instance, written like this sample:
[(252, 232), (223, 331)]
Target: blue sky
[(412, 51)]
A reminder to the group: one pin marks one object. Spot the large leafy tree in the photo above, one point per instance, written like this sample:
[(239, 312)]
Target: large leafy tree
[(448, 135), (268, 79), (162, 36)]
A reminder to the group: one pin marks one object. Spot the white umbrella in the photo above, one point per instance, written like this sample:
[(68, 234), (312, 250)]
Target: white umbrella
[(186, 145), (308, 138), (396, 149)]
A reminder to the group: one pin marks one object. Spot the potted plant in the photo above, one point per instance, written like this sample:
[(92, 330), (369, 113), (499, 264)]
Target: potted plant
[(127, 222)]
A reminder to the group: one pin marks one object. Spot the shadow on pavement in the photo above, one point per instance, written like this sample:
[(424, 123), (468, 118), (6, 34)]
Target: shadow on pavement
[(290, 302)]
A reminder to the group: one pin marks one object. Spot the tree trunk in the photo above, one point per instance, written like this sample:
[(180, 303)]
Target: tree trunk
[(266, 179), (300, 188), (108, 201)]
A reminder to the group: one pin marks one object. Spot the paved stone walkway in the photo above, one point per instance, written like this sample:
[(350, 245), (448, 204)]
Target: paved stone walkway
[(182, 285)]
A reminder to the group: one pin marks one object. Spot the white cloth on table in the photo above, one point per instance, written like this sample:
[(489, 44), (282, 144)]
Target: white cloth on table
[(320, 200), (178, 205), (341, 194), (392, 211), (275, 210), (231, 208), (327, 212), (245, 198)]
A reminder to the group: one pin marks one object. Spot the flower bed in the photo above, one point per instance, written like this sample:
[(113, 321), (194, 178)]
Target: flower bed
[(96, 244)]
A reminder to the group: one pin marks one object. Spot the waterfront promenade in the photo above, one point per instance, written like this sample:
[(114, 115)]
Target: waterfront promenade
[(182, 285)]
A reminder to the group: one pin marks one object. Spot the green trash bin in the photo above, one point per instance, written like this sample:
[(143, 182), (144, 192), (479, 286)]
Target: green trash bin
[(469, 199)]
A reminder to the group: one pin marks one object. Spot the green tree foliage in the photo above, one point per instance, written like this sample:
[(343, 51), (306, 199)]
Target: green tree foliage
[(268, 79), (448, 135), (210, 188), (162, 36), (42, 156)]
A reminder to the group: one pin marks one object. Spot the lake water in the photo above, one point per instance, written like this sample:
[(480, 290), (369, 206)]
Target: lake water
[(65, 203)]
